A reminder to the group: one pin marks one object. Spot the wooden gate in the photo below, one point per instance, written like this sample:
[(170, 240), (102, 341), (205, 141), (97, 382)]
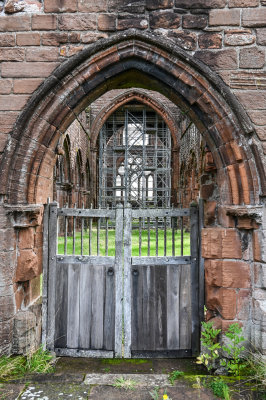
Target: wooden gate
[(121, 283)]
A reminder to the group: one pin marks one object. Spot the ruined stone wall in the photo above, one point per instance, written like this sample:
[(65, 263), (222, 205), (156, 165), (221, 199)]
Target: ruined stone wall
[(227, 35)]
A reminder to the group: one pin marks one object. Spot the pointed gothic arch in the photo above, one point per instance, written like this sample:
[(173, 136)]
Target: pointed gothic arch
[(133, 59)]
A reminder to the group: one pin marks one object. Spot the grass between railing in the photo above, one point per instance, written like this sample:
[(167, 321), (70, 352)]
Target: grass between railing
[(135, 243)]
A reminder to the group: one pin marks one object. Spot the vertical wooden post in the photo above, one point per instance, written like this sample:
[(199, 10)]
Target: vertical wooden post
[(201, 263), (194, 252), (118, 279), (127, 280), (45, 273), (52, 250)]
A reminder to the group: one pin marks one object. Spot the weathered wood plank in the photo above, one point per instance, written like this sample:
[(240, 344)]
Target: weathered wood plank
[(119, 227), (73, 306), (127, 281), (45, 274), (61, 305), (84, 353), (148, 311), (173, 284), (201, 263), (161, 308), (109, 310), (135, 312), (182, 353), (85, 306), (194, 251), (185, 308), (161, 260), (161, 212), (80, 212), (88, 260), (52, 238), (97, 307)]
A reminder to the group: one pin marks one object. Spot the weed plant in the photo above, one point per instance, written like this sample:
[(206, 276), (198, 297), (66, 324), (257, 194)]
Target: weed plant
[(123, 383), (220, 388), (174, 375), (39, 361)]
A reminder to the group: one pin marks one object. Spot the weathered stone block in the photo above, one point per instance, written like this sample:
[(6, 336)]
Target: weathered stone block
[(200, 3), (228, 274), (27, 69), (54, 38), (28, 39), (92, 6), (12, 54), (80, 22), (221, 243), (252, 57), (223, 300), (60, 6), (26, 238), (195, 21), (27, 266), (92, 37), (184, 39), (165, 19), (238, 38), (225, 220), (13, 6), (260, 275), (261, 36), (222, 59), (26, 85), (206, 191), (128, 21), (224, 17), (5, 86), (24, 330), (7, 40), (15, 23), (130, 6), (254, 17), (243, 3), (44, 22), (42, 54), (155, 4), (209, 212), (210, 41), (13, 102), (107, 22)]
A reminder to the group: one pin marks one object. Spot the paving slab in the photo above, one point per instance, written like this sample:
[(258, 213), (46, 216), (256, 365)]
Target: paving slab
[(148, 380), (10, 391), (55, 391)]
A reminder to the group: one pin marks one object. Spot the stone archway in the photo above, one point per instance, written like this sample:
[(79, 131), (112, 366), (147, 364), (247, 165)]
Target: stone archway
[(134, 59)]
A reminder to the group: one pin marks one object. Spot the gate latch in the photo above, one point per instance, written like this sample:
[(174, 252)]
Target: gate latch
[(110, 271)]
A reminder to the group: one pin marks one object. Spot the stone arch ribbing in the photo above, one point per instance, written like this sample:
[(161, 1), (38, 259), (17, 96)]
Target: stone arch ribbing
[(118, 62), (124, 98)]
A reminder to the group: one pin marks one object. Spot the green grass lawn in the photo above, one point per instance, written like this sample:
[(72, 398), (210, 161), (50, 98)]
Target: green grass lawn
[(135, 243)]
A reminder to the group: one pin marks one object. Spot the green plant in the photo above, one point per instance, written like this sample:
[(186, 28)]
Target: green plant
[(39, 361), (257, 369), (174, 375), (127, 384), (155, 393), (209, 340), (234, 364), (220, 388)]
